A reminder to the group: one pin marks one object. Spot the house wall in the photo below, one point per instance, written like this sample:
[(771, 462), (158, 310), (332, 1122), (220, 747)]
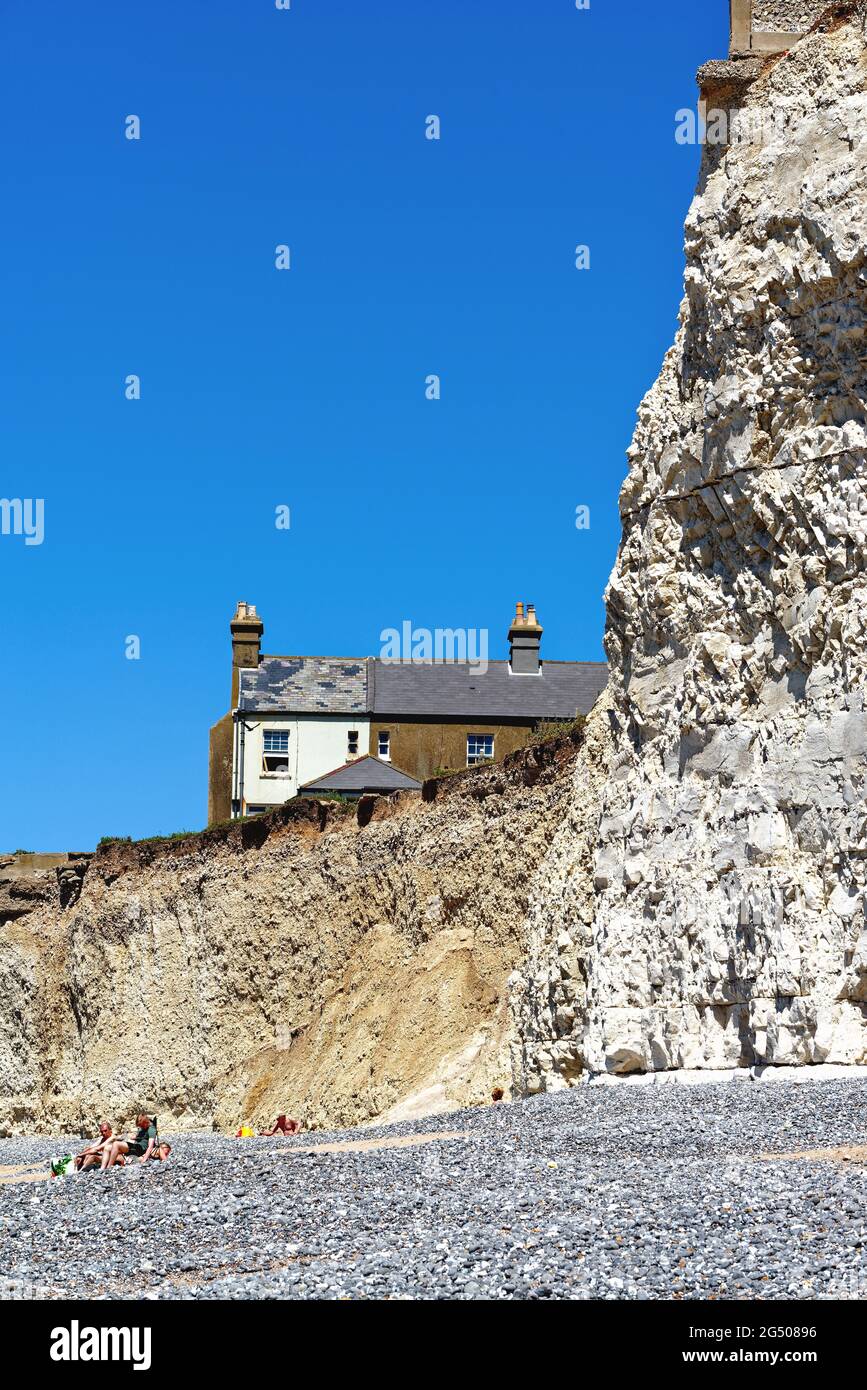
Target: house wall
[(317, 744), (419, 747), (220, 771)]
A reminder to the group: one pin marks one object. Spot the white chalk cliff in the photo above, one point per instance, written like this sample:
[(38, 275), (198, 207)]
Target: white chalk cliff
[(725, 922)]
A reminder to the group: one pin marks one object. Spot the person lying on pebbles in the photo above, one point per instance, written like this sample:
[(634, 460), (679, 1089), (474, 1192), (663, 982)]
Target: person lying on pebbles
[(282, 1125), (90, 1156)]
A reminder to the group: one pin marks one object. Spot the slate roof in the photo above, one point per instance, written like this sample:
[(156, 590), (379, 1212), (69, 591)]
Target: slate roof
[(368, 685), (363, 775), (305, 685), (561, 690)]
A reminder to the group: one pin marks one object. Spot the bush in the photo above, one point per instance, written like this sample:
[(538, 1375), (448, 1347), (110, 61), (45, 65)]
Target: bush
[(547, 729)]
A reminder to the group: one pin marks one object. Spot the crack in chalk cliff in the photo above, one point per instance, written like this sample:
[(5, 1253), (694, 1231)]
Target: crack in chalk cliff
[(719, 478)]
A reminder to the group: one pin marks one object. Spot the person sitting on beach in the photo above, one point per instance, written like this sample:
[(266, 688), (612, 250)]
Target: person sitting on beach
[(89, 1157), (141, 1145), (282, 1125)]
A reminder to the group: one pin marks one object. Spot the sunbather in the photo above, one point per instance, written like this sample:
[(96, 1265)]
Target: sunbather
[(90, 1156), (139, 1145), (282, 1125)]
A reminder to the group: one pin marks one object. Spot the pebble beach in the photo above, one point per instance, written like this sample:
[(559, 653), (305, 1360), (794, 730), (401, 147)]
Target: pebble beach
[(738, 1190)]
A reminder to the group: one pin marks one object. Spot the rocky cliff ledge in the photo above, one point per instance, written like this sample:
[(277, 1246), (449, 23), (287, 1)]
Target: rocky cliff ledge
[(725, 924)]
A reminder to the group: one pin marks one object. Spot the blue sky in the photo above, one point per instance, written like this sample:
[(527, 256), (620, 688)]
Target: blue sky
[(306, 387)]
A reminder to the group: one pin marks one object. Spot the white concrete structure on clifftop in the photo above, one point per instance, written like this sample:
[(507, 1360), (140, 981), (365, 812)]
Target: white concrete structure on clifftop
[(771, 26)]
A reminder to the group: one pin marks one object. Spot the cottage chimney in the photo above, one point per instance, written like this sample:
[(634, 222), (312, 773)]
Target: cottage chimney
[(525, 636), (246, 628)]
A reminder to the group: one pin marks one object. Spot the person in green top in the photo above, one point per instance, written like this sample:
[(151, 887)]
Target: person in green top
[(140, 1145)]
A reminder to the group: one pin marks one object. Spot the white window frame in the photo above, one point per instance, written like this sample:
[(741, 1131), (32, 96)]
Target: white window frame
[(476, 757), (352, 737), (273, 755), (386, 735)]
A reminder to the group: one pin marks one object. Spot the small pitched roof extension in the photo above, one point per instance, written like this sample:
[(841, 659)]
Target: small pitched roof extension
[(386, 689), (367, 774)]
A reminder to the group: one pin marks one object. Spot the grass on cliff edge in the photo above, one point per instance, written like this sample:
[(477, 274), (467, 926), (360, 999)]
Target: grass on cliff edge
[(341, 802), (151, 839)]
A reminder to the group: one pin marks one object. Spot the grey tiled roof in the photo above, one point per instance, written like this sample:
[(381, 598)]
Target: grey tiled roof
[(306, 685), (561, 690), (363, 775), (457, 690)]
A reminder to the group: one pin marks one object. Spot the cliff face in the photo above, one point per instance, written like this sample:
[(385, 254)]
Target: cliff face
[(725, 925), (686, 889), (317, 961)]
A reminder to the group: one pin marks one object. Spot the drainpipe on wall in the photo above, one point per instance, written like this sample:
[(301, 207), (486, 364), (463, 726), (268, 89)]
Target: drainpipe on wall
[(235, 747), (242, 729)]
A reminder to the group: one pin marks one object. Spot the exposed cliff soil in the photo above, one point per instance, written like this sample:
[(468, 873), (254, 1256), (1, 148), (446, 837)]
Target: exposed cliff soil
[(333, 962)]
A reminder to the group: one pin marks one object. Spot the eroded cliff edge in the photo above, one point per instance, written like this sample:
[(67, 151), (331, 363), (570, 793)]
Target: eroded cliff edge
[(725, 924), (332, 962)]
